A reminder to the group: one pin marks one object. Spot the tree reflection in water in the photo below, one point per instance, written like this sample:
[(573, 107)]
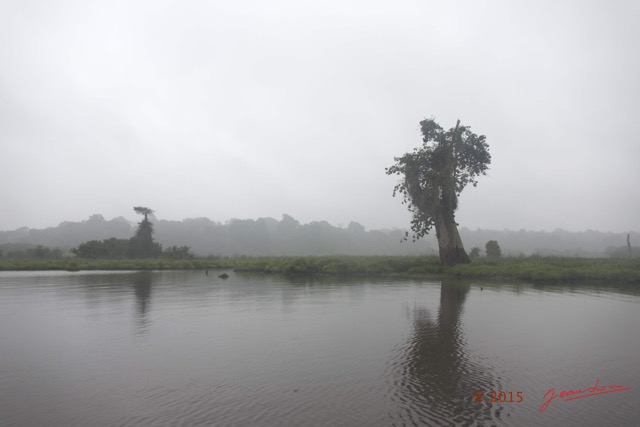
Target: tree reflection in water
[(433, 377), (142, 286)]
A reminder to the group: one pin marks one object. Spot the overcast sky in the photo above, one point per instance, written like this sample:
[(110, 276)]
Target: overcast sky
[(248, 109)]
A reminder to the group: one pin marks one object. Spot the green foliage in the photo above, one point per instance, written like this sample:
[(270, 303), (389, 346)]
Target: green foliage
[(541, 269), (302, 266), (108, 248), (435, 174), (475, 252), (347, 265), (383, 267), (39, 252), (624, 252), (336, 267), (492, 248), (72, 266), (175, 252), (535, 269)]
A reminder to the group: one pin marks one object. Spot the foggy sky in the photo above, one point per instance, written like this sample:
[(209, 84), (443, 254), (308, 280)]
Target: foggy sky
[(247, 109)]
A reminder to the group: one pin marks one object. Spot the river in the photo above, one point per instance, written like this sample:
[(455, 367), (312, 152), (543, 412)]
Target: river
[(168, 348)]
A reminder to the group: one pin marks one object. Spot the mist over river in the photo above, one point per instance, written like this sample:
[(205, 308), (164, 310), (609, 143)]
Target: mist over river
[(166, 348)]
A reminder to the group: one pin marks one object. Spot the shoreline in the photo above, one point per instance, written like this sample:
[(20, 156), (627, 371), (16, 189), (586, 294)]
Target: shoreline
[(533, 268)]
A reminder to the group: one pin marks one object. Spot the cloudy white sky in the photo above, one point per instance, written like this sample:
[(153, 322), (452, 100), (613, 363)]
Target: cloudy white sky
[(247, 109)]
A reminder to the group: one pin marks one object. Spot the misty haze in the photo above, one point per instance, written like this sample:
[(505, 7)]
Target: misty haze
[(345, 213), (288, 236)]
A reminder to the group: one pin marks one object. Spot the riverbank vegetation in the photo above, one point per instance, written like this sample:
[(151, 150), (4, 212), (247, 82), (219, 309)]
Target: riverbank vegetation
[(532, 268)]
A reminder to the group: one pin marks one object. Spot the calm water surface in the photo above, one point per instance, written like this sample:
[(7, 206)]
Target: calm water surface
[(181, 348)]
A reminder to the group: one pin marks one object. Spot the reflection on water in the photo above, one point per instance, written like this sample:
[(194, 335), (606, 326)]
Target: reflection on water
[(142, 285), (434, 380), (183, 348)]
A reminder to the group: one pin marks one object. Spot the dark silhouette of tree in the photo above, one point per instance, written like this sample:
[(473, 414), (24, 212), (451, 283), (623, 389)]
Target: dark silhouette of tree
[(475, 252), (107, 248), (492, 248), (434, 175), (143, 211), (142, 245)]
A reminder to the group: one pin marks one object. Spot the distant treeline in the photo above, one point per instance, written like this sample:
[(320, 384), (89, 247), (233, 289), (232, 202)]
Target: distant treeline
[(288, 237), (37, 252), (204, 237), (125, 249)]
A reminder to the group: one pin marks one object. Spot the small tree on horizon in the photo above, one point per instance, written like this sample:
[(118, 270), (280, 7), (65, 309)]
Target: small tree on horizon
[(475, 252), (492, 248)]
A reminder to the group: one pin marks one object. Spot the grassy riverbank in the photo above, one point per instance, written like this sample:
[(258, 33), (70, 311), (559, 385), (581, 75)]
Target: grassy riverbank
[(533, 268), (352, 265)]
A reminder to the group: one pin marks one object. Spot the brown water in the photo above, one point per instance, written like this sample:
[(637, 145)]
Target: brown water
[(181, 348)]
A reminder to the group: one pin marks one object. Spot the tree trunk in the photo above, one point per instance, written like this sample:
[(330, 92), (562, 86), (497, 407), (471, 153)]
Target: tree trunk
[(451, 250), (449, 243)]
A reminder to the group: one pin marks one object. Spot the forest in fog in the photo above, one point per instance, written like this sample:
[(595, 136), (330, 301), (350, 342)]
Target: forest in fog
[(287, 236)]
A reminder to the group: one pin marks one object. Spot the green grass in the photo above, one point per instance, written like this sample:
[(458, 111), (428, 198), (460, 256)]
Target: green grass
[(533, 269), (539, 269), (76, 264)]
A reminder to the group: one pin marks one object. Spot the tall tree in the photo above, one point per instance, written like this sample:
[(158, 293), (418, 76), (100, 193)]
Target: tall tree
[(434, 175), (141, 244)]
